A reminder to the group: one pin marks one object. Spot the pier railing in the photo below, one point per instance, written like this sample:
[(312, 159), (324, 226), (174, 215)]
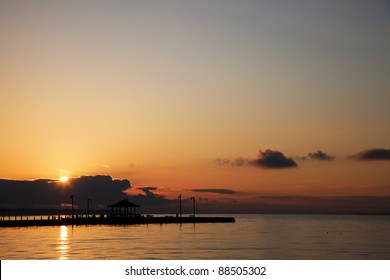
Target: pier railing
[(56, 220)]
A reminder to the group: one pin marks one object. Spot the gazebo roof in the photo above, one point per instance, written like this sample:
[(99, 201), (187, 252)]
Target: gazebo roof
[(123, 203)]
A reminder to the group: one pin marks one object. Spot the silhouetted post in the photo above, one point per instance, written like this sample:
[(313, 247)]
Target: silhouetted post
[(88, 200), (180, 206), (193, 205), (72, 206)]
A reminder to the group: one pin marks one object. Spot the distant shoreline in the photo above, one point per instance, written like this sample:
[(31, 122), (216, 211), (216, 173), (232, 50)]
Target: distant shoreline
[(45, 212)]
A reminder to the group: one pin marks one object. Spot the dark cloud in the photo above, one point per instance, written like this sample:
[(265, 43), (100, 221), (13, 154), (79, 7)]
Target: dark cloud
[(273, 160), (220, 191), (154, 203), (319, 155), (46, 193), (268, 159), (372, 154), (147, 190), (103, 190)]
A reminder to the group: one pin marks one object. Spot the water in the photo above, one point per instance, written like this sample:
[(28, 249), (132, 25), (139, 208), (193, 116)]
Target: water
[(251, 237)]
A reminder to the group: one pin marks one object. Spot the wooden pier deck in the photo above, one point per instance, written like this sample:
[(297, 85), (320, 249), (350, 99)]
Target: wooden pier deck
[(107, 220)]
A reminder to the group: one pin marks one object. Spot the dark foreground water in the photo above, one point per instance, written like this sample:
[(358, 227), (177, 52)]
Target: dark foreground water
[(251, 237)]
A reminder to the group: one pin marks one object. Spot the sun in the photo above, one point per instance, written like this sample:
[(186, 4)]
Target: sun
[(64, 179)]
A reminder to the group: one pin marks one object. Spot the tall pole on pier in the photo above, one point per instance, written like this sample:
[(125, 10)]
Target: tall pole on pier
[(180, 205), (72, 206), (88, 200), (193, 205)]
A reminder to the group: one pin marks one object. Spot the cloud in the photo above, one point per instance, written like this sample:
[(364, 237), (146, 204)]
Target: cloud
[(148, 190), (233, 162), (268, 159), (240, 161), (220, 191), (222, 161), (319, 155), (273, 160), (103, 190), (154, 203), (47, 193), (372, 154)]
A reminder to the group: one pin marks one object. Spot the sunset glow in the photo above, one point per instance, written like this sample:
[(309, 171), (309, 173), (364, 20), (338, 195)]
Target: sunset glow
[(243, 104), (64, 179)]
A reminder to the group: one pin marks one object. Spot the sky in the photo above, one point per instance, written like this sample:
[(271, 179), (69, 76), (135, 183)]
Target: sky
[(242, 104)]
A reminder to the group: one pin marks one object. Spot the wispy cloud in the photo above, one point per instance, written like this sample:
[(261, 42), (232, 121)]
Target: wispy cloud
[(320, 155), (219, 191), (148, 191), (234, 162), (372, 154)]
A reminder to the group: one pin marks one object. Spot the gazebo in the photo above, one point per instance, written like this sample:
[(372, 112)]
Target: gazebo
[(123, 208)]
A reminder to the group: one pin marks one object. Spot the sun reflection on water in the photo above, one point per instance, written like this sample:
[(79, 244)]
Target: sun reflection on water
[(251, 237), (63, 246)]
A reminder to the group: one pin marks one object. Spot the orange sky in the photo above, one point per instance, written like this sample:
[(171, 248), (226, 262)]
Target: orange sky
[(156, 93)]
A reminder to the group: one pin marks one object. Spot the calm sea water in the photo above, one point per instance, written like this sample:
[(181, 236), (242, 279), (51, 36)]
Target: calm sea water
[(251, 237)]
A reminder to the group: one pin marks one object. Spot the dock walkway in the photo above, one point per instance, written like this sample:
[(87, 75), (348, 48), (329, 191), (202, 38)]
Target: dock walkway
[(107, 220)]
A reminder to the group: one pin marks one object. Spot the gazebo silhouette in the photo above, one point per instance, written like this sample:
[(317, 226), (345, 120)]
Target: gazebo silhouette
[(123, 208)]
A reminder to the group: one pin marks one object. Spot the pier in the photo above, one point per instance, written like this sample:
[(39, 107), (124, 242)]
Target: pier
[(121, 213), (20, 221)]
